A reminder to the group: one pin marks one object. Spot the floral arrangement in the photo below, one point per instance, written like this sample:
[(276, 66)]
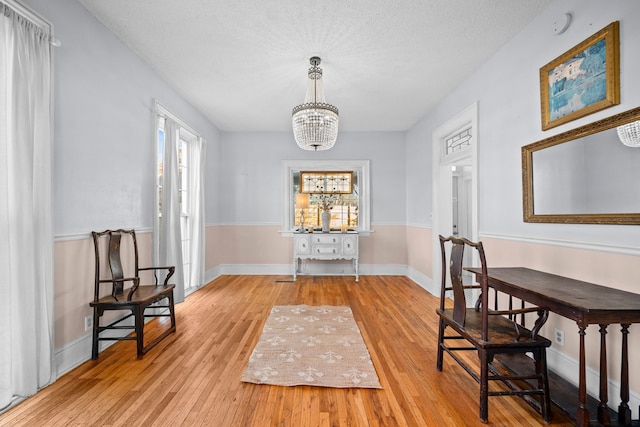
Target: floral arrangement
[(325, 201)]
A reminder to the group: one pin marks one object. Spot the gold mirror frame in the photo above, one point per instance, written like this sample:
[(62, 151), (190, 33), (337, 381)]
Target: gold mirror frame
[(529, 214)]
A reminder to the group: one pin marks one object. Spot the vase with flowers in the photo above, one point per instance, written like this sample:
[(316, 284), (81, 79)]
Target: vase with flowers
[(325, 203)]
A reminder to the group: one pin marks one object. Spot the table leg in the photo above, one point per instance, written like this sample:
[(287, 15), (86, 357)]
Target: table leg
[(355, 268), (582, 416), (624, 413), (295, 268), (603, 409)]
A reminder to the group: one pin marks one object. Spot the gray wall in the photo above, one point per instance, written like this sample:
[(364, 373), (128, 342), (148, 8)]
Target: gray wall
[(252, 173), (104, 149)]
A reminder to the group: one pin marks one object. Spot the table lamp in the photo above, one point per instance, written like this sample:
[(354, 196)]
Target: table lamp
[(302, 202)]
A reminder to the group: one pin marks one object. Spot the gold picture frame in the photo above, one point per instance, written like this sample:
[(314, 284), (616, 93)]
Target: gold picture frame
[(583, 80), (323, 182)]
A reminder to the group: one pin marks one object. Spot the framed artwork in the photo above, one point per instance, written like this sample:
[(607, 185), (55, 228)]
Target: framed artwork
[(583, 80)]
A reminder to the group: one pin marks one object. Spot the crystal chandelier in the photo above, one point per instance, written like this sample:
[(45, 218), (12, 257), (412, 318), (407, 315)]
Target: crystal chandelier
[(629, 134), (315, 123)]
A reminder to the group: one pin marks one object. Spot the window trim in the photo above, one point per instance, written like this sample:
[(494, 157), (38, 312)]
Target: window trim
[(288, 225)]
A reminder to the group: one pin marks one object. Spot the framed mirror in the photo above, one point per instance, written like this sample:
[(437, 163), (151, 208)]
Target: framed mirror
[(583, 176)]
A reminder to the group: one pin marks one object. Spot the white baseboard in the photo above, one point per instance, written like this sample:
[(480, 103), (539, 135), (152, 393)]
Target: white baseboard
[(73, 354), (423, 281), (309, 268), (383, 270), (253, 269), (77, 352), (212, 274)]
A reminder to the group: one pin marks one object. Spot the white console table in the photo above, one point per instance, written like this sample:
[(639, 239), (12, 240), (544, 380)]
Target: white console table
[(325, 246)]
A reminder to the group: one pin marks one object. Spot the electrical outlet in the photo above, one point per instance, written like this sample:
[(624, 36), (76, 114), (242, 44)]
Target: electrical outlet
[(88, 322), (559, 337)]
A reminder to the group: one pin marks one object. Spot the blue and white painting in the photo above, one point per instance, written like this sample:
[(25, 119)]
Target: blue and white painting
[(578, 82)]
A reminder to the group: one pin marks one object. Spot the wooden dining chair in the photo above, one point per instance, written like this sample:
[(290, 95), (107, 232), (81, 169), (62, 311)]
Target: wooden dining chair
[(496, 336), (118, 287)]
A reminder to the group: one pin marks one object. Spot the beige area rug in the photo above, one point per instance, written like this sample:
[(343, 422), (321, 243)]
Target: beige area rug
[(311, 345)]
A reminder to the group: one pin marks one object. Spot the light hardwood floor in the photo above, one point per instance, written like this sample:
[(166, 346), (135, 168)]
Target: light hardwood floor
[(192, 378)]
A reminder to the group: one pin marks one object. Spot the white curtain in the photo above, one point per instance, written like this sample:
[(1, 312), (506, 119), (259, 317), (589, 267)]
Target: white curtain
[(196, 185), (26, 234), (170, 235)]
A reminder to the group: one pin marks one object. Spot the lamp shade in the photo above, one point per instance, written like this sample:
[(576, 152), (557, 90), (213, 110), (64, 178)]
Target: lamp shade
[(302, 200)]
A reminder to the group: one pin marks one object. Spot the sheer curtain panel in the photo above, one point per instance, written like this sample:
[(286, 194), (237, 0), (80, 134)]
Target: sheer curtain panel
[(170, 234), (26, 235), (196, 177)]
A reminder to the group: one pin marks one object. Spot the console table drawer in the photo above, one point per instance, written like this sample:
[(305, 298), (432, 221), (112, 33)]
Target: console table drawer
[(328, 239), (325, 250)]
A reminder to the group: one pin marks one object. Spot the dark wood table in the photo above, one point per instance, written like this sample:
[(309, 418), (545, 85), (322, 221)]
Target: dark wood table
[(586, 304)]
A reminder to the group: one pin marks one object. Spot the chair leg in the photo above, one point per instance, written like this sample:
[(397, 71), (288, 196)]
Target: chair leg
[(172, 311), (484, 385), (543, 383), (94, 342), (441, 328), (139, 320)]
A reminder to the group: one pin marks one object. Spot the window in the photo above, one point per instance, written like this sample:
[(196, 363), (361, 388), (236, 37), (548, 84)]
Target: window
[(179, 191), (459, 141), (326, 182), (333, 191), (185, 141)]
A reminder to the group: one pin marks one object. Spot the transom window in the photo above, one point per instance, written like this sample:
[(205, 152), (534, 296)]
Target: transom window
[(459, 141), (326, 182)]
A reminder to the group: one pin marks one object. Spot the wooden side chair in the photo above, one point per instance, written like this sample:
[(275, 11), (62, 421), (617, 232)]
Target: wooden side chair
[(495, 335), (116, 264)]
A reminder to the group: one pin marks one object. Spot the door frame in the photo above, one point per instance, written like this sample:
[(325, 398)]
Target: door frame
[(442, 181)]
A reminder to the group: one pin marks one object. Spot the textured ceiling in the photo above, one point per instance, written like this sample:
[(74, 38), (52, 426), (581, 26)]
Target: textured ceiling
[(244, 63)]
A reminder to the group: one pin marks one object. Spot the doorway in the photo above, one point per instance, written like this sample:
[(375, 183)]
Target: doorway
[(455, 183)]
